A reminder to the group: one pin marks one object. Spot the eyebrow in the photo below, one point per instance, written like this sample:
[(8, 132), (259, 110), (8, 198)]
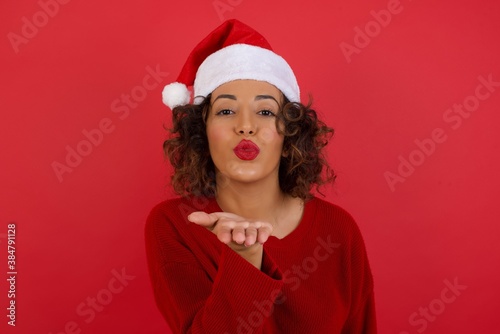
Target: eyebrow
[(258, 97), (225, 96), (262, 97)]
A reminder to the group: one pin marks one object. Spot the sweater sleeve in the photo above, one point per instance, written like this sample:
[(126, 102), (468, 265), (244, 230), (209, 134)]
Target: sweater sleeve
[(190, 300), (362, 317), (363, 320)]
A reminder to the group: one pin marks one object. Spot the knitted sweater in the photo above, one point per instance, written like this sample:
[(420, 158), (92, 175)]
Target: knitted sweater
[(317, 279)]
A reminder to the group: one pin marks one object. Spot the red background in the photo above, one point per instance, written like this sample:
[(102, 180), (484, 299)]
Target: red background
[(440, 224)]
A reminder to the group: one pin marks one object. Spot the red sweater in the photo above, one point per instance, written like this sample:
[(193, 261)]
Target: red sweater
[(316, 280)]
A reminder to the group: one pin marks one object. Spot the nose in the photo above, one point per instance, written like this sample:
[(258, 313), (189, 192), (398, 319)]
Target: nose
[(246, 124), (246, 131)]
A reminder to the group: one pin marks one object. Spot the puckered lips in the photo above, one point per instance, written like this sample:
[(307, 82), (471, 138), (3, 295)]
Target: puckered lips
[(246, 150)]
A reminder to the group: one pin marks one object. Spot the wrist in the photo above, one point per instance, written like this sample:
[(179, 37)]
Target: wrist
[(253, 254)]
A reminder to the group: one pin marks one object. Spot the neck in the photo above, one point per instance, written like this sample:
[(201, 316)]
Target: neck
[(262, 201)]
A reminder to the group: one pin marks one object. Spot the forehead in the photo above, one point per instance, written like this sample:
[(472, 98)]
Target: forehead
[(247, 88)]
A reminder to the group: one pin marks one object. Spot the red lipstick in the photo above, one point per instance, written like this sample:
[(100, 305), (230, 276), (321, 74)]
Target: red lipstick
[(246, 150)]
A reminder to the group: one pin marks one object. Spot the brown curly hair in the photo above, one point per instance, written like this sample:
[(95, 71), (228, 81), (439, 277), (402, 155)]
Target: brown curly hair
[(302, 166)]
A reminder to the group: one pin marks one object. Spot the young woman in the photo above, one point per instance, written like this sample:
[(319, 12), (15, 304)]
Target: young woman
[(247, 248)]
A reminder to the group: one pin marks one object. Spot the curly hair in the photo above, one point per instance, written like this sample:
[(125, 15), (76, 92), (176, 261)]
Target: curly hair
[(302, 165)]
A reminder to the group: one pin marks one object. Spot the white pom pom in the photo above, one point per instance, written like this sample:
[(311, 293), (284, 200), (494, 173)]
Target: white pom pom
[(175, 94)]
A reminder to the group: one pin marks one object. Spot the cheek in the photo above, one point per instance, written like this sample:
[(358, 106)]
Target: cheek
[(214, 134), (271, 137), (217, 138)]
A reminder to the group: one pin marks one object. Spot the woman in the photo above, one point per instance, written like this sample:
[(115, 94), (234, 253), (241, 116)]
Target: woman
[(247, 248)]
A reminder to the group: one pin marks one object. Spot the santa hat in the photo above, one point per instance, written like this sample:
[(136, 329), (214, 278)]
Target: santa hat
[(232, 51)]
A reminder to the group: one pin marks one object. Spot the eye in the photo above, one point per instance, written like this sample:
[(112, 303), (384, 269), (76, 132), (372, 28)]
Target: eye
[(266, 112), (224, 112)]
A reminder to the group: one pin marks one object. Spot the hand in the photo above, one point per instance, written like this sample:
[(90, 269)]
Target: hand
[(232, 229)]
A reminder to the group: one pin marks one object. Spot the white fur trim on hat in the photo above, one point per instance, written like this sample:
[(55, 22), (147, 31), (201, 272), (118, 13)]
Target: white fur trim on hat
[(175, 94), (244, 61)]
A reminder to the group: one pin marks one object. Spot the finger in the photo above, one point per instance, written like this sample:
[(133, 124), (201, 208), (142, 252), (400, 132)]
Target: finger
[(239, 234), (202, 218), (228, 215), (264, 232), (251, 236), (224, 234), (209, 219)]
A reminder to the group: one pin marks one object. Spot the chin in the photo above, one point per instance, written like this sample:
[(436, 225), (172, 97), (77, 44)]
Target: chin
[(248, 176), (244, 177)]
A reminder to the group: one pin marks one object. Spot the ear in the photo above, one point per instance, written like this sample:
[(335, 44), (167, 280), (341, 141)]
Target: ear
[(285, 153)]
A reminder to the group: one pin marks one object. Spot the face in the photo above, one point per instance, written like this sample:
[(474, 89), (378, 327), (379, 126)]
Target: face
[(244, 143)]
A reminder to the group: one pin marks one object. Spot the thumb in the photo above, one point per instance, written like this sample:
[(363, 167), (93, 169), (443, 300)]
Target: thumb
[(203, 218), (208, 219)]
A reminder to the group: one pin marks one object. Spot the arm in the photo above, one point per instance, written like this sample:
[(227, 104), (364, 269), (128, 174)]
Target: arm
[(189, 299), (244, 236), (362, 318)]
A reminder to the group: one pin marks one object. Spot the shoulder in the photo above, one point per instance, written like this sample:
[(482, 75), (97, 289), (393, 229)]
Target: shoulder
[(173, 212), (181, 206), (164, 211), (167, 230), (330, 209), (332, 214), (331, 218)]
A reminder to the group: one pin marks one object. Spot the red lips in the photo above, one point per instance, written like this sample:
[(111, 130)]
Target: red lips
[(246, 150)]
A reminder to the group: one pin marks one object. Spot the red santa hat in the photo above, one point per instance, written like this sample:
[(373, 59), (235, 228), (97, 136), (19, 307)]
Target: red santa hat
[(232, 51)]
